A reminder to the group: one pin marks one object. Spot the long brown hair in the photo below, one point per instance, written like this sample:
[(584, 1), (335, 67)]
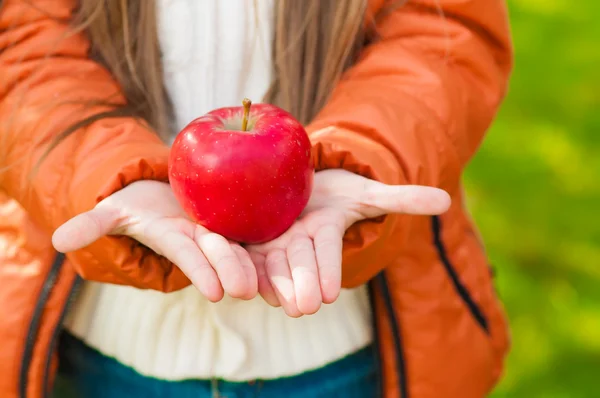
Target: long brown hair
[(313, 43)]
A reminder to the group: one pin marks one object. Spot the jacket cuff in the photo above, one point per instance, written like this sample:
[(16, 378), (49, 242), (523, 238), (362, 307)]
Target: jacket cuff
[(120, 259), (334, 147), (119, 171)]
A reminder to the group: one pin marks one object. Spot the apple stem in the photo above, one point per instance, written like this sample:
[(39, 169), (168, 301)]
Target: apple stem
[(246, 103)]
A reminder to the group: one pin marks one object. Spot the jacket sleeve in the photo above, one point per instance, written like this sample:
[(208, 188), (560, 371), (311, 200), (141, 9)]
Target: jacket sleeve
[(413, 110), (47, 83)]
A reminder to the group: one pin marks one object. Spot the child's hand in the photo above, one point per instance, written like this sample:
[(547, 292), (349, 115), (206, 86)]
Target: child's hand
[(148, 212), (303, 267)]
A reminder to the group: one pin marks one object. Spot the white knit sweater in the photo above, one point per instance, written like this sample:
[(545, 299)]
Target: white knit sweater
[(214, 55)]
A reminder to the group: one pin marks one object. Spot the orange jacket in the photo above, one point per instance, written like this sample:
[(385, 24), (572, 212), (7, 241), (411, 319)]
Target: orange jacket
[(413, 109)]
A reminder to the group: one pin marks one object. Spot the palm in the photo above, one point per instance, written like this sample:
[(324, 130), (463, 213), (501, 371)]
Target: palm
[(302, 268), (148, 212)]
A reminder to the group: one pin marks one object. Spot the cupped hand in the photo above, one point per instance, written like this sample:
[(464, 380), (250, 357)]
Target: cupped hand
[(148, 212), (302, 268)]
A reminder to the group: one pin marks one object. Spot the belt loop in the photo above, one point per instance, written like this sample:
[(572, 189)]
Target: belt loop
[(258, 387), (214, 387)]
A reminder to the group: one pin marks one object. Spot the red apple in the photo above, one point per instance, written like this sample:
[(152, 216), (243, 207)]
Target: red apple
[(243, 172)]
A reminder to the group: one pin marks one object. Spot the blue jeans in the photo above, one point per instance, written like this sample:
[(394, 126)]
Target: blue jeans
[(84, 372)]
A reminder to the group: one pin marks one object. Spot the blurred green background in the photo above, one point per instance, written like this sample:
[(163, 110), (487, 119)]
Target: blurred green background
[(534, 189)]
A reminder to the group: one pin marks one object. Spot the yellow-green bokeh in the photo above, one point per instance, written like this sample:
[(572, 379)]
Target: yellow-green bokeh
[(534, 189)]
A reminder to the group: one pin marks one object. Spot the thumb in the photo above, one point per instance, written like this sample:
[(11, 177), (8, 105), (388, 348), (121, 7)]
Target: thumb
[(380, 199), (85, 229)]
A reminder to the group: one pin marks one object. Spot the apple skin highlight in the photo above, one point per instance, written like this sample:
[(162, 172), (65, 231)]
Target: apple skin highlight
[(243, 172)]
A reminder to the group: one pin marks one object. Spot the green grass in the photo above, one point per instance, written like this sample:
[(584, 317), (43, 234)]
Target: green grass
[(534, 189)]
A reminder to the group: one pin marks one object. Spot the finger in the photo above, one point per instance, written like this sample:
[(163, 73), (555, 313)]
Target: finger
[(280, 277), (303, 266), (328, 241), (85, 228), (224, 260), (182, 251), (264, 285), (407, 199), (249, 271)]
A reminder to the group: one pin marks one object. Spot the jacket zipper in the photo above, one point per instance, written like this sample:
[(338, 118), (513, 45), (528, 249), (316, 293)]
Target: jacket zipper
[(35, 323), (59, 327), (462, 291), (371, 288), (381, 281)]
